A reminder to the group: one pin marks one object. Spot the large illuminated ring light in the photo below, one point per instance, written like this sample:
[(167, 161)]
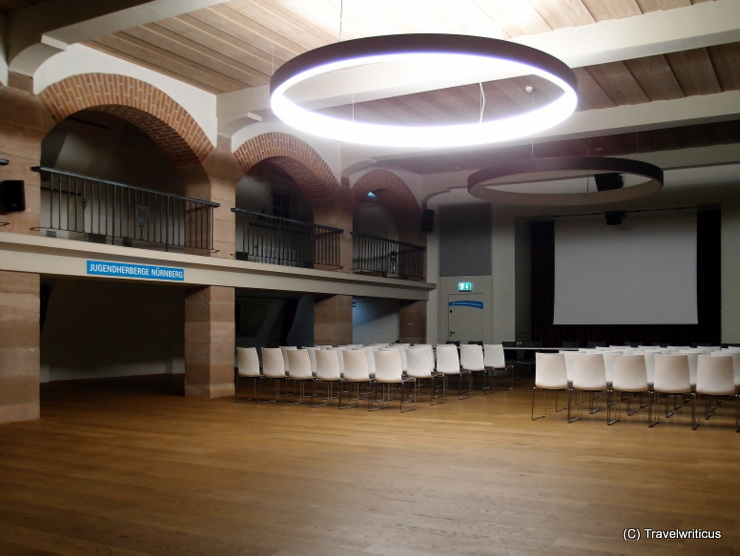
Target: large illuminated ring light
[(398, 48), (486, 183)]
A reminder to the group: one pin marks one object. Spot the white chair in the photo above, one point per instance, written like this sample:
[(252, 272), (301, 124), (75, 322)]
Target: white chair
[(356, 373), (550, 373), (370, 354), (448, 363), (300, 372), (388, 375), (608, 355), (430, 352), (588, 375), (401, 347), (629, 376), (420, 367), (273, 368), (285, 350), (471, 360), (248, 366), (735, 354), (672, 379), (328, 373), (494, 360), (312, 356), (693, 356), (716, 379)]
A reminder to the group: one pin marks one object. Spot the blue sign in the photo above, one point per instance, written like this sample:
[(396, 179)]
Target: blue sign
[(126, 270), (473, 304)]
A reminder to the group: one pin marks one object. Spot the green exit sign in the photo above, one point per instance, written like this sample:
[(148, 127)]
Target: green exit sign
[(465, 286)]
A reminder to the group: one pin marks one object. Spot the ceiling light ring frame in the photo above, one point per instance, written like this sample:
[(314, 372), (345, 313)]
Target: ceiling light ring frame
[(482, 183), (330, 57)]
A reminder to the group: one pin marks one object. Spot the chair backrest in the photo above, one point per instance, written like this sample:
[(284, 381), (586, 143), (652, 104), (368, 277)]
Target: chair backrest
[(493, 356), (430, 353), (448, 359), (693, 355), (312, 356), (285, 349), (672, 373), (735, 354), (418, 364), (370, 354), (273, 365), (327, 364), (715, 375), (629, 373), (550, 371), (388, 365), (608, 355), (587, 371), (356, 368), (248, 362), (299, 364), (471, 357)]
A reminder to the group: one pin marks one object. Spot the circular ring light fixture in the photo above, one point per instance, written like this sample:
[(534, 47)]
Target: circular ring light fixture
[(487, 183), (418, 49)]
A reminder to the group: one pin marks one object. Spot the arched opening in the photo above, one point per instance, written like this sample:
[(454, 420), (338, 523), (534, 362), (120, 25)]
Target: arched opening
[(98, 144), (372, 217), (268, 189), (102, 328)]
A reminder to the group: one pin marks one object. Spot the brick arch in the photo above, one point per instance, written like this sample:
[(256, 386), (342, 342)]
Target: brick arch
[(295, 157), (157, 114), (391, 191)]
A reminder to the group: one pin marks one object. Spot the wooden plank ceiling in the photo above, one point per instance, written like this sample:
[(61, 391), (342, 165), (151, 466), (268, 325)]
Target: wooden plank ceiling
[(238, 44)]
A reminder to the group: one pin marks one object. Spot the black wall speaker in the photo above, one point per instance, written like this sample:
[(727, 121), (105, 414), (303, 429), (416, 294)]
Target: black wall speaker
[(13, 195), (608, 181), (614, 217), (427, 220)]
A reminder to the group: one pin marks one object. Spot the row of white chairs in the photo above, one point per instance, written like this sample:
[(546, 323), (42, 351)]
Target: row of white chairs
[(716, 376), (375, 367)]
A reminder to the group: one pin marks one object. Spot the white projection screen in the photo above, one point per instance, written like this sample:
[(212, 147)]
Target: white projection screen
[(642, 271)]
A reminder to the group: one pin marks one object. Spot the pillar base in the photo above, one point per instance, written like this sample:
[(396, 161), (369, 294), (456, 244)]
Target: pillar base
[(210, 391), (19, 412)]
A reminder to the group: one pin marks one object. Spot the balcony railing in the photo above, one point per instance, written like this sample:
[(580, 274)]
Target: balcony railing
[(270, 239), (116, 213), (387, 257)]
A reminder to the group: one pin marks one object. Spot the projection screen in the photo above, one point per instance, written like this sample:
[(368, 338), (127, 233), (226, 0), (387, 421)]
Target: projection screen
[(642, 271)]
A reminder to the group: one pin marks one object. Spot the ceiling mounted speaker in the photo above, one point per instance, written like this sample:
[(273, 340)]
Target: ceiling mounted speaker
[(614, 217), (427, 221), (608, 182)]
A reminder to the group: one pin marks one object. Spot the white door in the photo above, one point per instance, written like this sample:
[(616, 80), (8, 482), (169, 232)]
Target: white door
[(465, 317)]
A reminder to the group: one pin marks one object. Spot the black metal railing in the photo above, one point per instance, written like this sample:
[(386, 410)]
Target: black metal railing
[(116, 213), (387, 257), (270, 239)]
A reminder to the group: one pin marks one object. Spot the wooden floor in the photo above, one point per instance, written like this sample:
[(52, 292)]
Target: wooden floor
[(129, 467)]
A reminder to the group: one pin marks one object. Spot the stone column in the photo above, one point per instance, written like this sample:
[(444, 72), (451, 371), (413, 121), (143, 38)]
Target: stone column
[(209, 311), (209, 342), (19, 346), (23, 125), (337, 212), (333, 314), (412, 318), (333, 320)]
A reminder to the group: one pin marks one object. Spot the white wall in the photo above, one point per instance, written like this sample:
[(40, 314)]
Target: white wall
[(448, 285)]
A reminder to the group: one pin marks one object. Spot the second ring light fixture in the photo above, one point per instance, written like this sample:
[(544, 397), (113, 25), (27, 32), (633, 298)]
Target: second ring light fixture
[(370, 68)]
